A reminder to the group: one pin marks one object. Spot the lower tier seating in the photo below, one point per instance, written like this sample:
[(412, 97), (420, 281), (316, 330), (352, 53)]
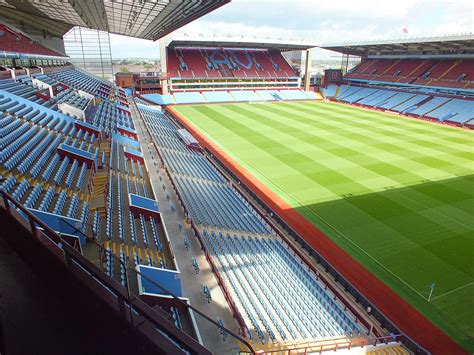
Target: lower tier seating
[(281, 298), (429, 105)]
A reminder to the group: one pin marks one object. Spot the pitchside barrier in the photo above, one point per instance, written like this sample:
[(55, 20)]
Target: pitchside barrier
[(409, 343), (348, 287)]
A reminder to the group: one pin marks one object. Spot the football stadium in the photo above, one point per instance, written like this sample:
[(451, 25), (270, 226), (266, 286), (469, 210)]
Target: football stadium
[(230, 204)]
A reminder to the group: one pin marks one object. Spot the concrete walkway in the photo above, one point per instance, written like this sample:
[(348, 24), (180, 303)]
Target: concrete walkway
[(191, 282)]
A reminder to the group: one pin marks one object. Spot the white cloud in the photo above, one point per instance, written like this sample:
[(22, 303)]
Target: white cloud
[(123, 46), (326, 21)]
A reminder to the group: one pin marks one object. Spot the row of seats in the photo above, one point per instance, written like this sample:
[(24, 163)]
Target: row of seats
[(21, 190), (82, 81), (441, 108), (15, 41), (456, 73), (190, 165), (217, 63), (210, 201), (291, 301), (230, 96), (108, 116), (23, 90), (34, 196), (218, 205)]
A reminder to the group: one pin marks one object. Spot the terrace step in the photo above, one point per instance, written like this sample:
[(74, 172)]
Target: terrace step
[(99, 182), (131, 251)]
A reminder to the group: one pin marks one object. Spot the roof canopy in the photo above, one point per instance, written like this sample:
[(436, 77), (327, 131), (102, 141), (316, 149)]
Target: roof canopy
[(201, 41), (462, 44), (148, 19)]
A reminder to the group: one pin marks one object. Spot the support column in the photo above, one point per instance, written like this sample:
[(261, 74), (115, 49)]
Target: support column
[(27, 70), (307, 76), (163, 42), (12, 72)]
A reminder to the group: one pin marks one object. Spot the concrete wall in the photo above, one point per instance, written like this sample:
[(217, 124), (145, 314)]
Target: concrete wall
[(56, 44)]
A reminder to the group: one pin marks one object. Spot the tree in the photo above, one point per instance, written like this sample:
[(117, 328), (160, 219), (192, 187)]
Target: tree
[(124, 69)]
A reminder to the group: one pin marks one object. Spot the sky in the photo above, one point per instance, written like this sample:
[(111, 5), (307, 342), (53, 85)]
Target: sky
[(320, 22)]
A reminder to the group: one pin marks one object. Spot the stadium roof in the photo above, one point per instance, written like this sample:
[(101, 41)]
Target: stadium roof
[(201, 41), (148, 19), (462, 43)]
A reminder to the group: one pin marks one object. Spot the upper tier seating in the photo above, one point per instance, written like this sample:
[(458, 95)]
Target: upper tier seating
[(14, 41), (217, 63), (456, 73)]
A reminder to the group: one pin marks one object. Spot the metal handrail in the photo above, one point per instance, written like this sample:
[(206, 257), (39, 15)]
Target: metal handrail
[(334, 346), (130, 296), (71, 252)]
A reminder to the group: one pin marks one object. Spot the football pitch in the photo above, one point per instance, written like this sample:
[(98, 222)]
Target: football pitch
[(397, 194)]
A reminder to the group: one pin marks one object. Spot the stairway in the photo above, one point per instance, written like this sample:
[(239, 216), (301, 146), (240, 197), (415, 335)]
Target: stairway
[(389, 350), (449, 69), (390, 67), (130, 251), (99, 182), (105, 147)]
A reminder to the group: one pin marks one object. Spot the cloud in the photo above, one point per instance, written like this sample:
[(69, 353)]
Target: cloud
[(325, 21), (123, 47)]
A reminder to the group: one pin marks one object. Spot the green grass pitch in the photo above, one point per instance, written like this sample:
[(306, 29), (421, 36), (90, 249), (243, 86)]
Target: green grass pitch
[(397, 194)]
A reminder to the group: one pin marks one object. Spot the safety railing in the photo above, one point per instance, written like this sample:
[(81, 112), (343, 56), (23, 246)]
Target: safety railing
[(153, 323), (317, 347)]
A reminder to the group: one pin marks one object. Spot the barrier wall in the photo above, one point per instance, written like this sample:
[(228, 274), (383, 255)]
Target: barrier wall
[(405, 316)]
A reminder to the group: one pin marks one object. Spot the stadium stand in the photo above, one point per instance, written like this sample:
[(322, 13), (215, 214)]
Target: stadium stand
[(392, 76), (223, 63), (226, 65), (71, 172), (456, 73), (238, 233), (71, 157), (229, 96), (442, 108), (16, 41)]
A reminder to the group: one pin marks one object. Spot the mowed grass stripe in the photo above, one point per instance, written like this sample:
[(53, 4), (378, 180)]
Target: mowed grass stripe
[(434, 229), (262, 143), (416, 231), (427, 200), (302, 134), (434, 217), (395, 134), (382, 149), (419, 137), (453, 135)]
